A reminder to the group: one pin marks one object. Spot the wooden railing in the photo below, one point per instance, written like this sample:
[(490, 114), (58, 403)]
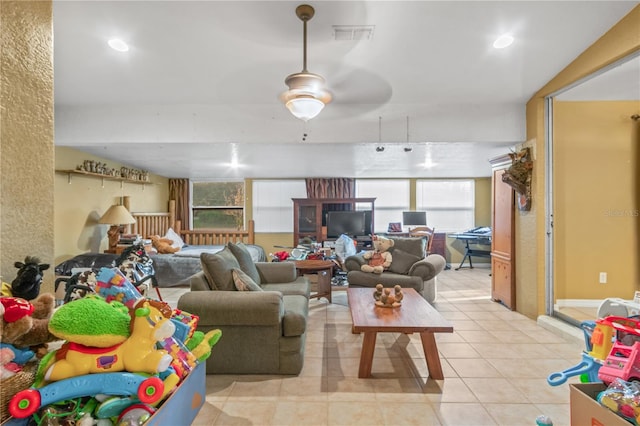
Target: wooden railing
[(148, 224), (219, 236)]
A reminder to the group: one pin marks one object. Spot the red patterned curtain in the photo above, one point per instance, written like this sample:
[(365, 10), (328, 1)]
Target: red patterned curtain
[(331, 187), (179, 191)]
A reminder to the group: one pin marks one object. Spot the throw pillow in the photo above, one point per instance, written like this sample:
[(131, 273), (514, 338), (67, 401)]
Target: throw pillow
[(217, 268), (243, 256), (415, 246), (402, 261), (173, 236), (243, 282)]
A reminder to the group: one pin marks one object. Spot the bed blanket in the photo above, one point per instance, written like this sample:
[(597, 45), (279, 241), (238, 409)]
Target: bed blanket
[(170, 269)]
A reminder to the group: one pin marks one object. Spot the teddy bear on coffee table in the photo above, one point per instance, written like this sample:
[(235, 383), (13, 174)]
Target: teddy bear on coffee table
[(379, 258)]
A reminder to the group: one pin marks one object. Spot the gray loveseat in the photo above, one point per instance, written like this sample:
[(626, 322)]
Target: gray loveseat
[(264, 330), (409, 268)]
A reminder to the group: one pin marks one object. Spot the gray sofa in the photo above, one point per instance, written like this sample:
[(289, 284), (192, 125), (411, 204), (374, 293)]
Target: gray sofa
[(263, 331), (409, 268)]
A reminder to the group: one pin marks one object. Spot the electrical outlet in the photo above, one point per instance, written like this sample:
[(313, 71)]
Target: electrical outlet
[(603, 277)]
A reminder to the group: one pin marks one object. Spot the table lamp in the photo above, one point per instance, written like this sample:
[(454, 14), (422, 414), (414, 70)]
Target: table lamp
[(116, 216)]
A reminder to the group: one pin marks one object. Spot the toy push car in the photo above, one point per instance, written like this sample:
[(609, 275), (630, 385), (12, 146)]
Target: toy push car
[(148, 389)]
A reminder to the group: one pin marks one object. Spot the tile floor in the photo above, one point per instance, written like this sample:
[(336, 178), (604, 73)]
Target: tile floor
[(495, 366)]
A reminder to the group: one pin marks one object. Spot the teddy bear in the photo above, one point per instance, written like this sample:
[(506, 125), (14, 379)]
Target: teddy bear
[(379, 258), (163, 245), (24, 325)]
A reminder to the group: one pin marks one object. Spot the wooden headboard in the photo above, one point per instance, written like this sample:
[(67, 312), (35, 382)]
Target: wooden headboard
[(148, 224)]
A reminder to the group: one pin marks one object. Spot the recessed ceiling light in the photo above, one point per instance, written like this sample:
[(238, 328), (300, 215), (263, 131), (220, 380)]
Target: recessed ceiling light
[(119, 45), (505, 40)]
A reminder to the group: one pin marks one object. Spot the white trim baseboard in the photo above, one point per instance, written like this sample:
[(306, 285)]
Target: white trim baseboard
[(578, 303)]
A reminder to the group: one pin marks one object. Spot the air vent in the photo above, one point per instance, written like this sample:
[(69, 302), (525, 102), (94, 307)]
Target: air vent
[(353, 32)]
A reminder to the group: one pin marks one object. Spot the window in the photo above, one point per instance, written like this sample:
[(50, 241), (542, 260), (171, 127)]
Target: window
[(450, 204), (392, 198), (272, 205), (217, 205)]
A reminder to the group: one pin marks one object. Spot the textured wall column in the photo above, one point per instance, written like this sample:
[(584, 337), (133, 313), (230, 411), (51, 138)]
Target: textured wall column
[(26, 135)]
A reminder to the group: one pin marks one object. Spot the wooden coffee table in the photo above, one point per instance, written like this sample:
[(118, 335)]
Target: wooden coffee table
[(415, 315), (324, 270)]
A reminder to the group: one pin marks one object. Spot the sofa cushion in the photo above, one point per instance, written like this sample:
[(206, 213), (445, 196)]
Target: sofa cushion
[(402, 261), (217, 268), (301, 286), (387, 279), (415, 246), (243, 256), (243, 282)]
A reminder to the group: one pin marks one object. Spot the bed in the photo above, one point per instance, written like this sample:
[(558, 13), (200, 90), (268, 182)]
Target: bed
[(172, 269)]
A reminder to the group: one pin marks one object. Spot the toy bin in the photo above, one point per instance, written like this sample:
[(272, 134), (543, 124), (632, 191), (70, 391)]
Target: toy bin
[(586, 410), (12, 385), (180, 408)]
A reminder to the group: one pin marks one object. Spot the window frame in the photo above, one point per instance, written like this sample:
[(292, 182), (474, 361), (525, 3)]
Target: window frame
[(422, 206), (382, 210), (193, 208)]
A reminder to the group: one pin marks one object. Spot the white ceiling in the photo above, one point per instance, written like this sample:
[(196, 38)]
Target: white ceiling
[(201, 83)]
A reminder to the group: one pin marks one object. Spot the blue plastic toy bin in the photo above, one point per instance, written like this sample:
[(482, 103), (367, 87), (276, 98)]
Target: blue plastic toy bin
[(181, 408)]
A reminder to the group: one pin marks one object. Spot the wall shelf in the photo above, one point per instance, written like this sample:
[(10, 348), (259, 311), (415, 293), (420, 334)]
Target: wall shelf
[(70, 173)]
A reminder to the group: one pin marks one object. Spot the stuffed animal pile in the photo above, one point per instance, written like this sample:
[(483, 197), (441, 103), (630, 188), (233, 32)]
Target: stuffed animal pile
[(379, 258), (24, 330), (115, 331)]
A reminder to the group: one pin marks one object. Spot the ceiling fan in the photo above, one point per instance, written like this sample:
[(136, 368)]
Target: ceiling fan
[(307, 95)]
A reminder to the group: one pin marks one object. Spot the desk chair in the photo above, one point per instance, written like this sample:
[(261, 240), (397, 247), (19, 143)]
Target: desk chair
[(424, 231)]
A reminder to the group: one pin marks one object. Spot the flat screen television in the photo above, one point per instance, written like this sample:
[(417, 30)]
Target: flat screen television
[(414, 218), (351, 223)]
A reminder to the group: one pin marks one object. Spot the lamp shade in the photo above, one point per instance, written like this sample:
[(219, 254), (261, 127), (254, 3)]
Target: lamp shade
[(117, 215)]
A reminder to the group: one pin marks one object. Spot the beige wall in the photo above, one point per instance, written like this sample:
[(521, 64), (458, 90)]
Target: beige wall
[(620, 41), (26, 135), (596, 201), (80, 201)]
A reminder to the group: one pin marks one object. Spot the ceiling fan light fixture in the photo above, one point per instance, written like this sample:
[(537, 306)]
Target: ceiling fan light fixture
[(307, 95), (305, 107)]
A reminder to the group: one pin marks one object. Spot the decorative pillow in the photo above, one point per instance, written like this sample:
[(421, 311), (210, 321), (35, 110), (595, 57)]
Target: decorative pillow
[(243, 282), (412, 245), (218, 269), (173, 236), (401, 261), (245, 260)]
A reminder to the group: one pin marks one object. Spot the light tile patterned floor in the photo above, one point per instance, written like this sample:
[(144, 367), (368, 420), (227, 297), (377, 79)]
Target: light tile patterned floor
[(495, 365)]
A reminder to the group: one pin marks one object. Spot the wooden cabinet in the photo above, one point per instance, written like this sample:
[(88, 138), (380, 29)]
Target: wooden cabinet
[(502, 242), (309, 213)]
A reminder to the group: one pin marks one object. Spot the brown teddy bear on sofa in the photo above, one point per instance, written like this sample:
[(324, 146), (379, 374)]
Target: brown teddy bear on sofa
[(379, 259)]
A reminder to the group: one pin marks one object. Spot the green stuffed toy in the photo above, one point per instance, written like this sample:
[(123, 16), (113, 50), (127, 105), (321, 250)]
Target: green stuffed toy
[(200, 344)]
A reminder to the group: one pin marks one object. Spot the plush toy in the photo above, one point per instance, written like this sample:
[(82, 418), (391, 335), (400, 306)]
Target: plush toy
[(163, 245), (200, 344), (24, 324), (102, 337), (379, 258), (8, 368)]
